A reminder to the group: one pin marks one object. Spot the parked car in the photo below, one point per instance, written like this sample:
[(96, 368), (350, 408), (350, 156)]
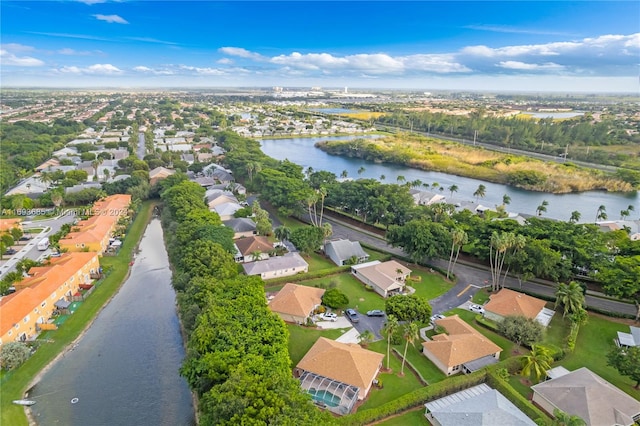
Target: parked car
[(352, 315), (329, 316), (25, 237), (375, 313), (10, 251), (476, 308), (436, 317)]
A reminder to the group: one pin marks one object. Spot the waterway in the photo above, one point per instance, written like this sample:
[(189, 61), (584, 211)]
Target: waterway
[(302, 151), (124, 369)]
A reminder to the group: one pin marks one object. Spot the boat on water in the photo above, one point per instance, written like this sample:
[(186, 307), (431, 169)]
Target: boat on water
[(26, 402)]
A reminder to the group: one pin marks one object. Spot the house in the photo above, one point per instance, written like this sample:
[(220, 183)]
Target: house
[(242, 227), (227, 210), (629, 339), (345, 252), (477, 406), (159, 173), (205, 181), (215, 197), (253, 248), (584, 394), (7, 224), (462, 348), (22, 312), (426, 198), (277, 266), (296, 303), (93, 234), (344, 372), (385, 278), (511, 303)]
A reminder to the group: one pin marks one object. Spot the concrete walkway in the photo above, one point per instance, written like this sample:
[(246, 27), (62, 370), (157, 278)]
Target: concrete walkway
[(351, 336)]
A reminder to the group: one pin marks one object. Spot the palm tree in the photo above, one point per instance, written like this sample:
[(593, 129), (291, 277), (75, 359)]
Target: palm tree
[(601, 213), (382, 177), (322, 193), (361, 170), (344, 174), (563, 419), (575, 216), (542, 207), (453, 188), (416, 183), (624, 214), (256, 255), (435, 185), (411, 334), (458, 238), (537, 362), (250, 168), (389, 328), (480, 192), (400, 179), (498, 247), (282, 233), (506, 199), (106, 174), (366, 337), (570, 296)]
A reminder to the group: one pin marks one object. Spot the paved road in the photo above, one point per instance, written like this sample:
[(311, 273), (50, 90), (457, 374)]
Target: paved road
[(142, 149), (470, 276)]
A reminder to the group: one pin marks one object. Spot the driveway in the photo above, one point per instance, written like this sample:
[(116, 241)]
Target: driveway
[(340, 322), (373, 324)]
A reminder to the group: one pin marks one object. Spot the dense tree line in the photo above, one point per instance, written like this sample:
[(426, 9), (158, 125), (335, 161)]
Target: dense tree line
[(237, 355)]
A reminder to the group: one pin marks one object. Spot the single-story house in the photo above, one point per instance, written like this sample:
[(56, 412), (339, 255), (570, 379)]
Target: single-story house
[(205, 181), (277, 266), (511, 303), (296, 303), (215, 197), (344, 252), (344, 372), (477, 406), (242, 227), (462, 348), (253, 248), (159, 173), (584, 394), (226, 210), (426, 198), (386, 278), (629, 339)]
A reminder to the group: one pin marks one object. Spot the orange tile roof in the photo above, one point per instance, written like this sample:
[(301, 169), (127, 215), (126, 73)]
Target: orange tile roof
[(346, 362), (37, 288), (462, 343), (249, 245), (6, 224), (508, 302), (298, 300)]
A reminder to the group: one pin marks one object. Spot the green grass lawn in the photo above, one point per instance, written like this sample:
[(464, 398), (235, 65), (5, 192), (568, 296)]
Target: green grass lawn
[(302, 338), (430, 285), (410, 418), (15, 383), (318, 262), (394, 386), (427, 369), (557, 331), (595, 339), (359, 298), (481, 297)]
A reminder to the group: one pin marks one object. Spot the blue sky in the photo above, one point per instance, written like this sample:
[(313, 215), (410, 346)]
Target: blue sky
[(511, 45)]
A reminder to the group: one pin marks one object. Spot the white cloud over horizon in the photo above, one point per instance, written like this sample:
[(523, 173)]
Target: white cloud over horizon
[(111, 19)]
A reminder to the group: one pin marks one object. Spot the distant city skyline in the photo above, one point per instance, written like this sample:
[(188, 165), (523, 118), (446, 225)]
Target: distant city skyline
[(544, 46)]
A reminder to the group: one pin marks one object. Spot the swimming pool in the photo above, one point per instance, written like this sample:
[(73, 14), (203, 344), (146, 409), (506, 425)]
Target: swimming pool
[(325, 396)]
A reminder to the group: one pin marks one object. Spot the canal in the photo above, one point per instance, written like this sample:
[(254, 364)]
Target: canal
[(302, 151), (124, 369)]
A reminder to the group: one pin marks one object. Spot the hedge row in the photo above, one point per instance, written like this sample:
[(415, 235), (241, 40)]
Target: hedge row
[(308, 275), (526, 406), (416, 398)]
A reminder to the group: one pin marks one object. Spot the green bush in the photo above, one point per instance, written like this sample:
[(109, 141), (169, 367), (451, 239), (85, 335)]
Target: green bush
[(308, 276)]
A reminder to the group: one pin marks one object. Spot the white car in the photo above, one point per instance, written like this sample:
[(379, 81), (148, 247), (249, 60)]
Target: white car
[(436, 317), (329, 316), (476, 308)]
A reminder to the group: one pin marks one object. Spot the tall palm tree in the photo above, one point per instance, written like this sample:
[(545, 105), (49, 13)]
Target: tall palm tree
[(570, 296), (458, 239), (537, 362), (389, 328), (416, 183), (344, 174), (382, 177), (361, 170), (624, 214), (542, 208), (601, 213), (322, 193), (411, 334), (401, 179), (250, 168), (506, 199), (453, 188), (575, 216), (480, 192), (282, 233)]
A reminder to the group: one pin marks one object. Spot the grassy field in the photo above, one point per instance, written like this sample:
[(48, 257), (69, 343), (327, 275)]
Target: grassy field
[(302, 338), (14, 384), (359, 298)]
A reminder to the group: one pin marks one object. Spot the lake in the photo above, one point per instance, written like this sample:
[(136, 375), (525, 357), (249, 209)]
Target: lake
[(302, 151), (124, 369)]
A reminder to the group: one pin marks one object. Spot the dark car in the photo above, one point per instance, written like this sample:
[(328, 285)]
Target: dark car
[(352, 315), (25, 237), (10, 251), (375, 313)]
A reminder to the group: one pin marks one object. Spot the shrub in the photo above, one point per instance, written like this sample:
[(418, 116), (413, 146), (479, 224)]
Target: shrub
[(335, 299), (521, 330), (13, 354)]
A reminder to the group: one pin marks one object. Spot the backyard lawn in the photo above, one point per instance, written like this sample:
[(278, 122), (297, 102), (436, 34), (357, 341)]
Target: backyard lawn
[(427, 369), (410, 418), (302, 338), (359, 298), (430, 284)]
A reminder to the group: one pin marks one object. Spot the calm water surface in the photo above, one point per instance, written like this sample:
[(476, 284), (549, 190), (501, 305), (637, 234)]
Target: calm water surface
[(124, 370), (302, 151)]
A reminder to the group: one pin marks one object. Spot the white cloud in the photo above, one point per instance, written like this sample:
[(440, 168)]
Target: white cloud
[(240, 52), (225, 61), (142, 69), (9, 59), (112, 19), (516, 65), (96, 69), (72, 52), (148, 70), (15, 47), (91, 2)]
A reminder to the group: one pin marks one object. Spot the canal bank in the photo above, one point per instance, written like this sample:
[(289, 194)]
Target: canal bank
[(124, 368)]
